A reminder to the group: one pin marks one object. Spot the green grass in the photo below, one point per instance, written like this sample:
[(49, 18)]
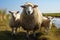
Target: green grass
[(52, 14)]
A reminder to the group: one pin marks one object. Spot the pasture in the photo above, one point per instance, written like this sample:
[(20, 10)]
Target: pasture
[(5, 31), (52, 14)]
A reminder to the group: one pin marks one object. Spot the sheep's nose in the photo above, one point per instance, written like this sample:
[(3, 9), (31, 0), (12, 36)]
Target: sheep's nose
[(29, 12)]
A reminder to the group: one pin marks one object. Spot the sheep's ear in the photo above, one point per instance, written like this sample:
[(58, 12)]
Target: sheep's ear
[(35, 6), (10, 12), (23, 6), (17, 11)]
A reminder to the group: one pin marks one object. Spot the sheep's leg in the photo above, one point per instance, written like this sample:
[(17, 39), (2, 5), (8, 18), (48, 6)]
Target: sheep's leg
[(13, 31), (27, 34), (49, 27), (34, 33), (40, 27), (47, 30), (19, 29)]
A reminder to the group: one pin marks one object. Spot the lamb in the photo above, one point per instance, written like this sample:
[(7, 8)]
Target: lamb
[(14, 21), (31, 17), (47, 23)]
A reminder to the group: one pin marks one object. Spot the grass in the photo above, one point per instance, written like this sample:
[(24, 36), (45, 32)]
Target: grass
[(52, 14)]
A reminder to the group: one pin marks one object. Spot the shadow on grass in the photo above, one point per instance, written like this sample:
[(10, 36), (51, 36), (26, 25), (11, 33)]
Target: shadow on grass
[(6, 35)]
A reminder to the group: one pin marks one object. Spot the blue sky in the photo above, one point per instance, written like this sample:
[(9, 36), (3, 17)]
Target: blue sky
[(43, 5)]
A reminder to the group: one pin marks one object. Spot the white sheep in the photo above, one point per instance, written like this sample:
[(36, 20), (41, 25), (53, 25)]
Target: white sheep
[(47, 23), (31, 17), (14, 21)]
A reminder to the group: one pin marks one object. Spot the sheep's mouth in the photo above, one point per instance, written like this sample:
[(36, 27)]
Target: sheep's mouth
[(29, 13)]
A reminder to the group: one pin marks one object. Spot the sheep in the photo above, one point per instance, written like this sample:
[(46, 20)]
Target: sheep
[(31, 18), (14, 21), (47, 23)]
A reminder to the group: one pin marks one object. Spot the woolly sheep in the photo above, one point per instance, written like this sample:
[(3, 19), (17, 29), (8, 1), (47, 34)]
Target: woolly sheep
[(47, 23), (31, 17), (14, 21)]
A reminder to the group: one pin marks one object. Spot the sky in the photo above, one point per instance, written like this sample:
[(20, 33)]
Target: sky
[(45, 6)]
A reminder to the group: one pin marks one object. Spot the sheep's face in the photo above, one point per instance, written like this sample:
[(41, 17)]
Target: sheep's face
[(50, 18), (29, 9), (15, 14)]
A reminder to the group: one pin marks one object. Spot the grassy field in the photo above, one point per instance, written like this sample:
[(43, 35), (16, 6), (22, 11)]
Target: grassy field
[(5, 31), (52, 14)]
